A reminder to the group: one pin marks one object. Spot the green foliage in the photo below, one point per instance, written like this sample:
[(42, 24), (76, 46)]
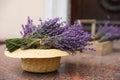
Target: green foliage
[(13, 44)]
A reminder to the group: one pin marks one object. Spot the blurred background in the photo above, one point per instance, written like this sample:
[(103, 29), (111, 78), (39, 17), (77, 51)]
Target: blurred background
[(13, 13)]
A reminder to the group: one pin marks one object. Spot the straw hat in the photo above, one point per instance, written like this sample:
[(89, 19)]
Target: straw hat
[(36, 53), (38, 60)]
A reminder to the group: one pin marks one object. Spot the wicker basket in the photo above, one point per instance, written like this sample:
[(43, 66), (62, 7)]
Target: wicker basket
[(101, 49), (40, 65)]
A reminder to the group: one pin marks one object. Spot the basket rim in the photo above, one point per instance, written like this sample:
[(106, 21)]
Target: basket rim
[(36, 53)]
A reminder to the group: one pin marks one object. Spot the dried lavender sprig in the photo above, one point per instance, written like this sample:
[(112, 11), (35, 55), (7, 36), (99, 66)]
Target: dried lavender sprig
[(28, 28), (108, 32), (49, 27), (56, 35), (74, 38)]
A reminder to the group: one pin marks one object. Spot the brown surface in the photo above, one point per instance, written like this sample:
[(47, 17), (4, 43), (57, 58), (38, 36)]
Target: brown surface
[(90, 9), (78, 67)]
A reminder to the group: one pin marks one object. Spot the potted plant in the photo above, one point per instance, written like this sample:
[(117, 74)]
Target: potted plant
[(41, 47), (103, 39)]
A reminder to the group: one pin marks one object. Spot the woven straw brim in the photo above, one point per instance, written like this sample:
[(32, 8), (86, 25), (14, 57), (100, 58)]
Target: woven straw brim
[(36, 53)]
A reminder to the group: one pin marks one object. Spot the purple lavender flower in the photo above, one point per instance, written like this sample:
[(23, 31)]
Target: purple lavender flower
[(49, 27), (74, 38), (58, 34), (108, 32), (28, 28)]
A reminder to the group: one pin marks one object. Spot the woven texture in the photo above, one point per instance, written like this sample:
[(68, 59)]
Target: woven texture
[(40, 65)]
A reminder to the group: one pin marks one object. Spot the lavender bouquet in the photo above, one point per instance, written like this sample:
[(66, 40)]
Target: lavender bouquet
[(107, 32), (49, 34)]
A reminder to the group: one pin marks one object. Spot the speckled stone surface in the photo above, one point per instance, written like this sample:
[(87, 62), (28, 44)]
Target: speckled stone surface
[(78, 67)]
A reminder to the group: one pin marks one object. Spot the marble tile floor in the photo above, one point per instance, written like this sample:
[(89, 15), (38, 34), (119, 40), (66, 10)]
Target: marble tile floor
[(78, 67)]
